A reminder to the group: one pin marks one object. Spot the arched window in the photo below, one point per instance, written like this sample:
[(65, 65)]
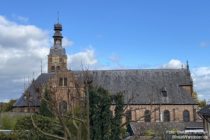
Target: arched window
[(166, 116), (63, 81), (186, 116), (53, 68), (128, 115), (63, 107), (147, 116)]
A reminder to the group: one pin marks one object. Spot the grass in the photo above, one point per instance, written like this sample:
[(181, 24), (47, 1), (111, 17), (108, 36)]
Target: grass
[(7, 122)]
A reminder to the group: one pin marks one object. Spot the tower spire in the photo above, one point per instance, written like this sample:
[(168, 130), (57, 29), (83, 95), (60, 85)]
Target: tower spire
[(57, 58), (57, 35), (187, 65), (58, 17)]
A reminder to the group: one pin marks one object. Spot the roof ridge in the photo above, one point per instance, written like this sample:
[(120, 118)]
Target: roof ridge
[(181, 69)]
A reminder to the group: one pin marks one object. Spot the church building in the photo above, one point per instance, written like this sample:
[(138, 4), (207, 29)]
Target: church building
[(162, 95)]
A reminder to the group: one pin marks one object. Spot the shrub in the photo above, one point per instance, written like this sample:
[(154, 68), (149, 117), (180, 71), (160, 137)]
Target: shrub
[(11, 136), (149, 132), (24, 127)]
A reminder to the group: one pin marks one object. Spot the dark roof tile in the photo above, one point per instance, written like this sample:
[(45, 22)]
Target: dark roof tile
[(144, 86), (205, 111), (31, 96)]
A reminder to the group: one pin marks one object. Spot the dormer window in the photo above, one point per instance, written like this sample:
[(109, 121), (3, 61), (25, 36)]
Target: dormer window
[(164, 92)]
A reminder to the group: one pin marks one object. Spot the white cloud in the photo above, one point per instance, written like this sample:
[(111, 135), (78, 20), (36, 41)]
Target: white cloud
[(22, 48), (201, 78), (202, 71), (83, 59), (65, 42), (200, 75), (174, 64)]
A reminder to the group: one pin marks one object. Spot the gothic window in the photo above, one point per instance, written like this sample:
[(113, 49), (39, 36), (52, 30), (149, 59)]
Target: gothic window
[(186, 116), (50, 59), (166, 116), (147, 116), (63, 81), (174, 115), (53, 68), (63, 107), (60, 59)]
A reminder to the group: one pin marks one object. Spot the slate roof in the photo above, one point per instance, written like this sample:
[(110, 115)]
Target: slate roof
[(139, 128), (143, 86), (205, 111), (32, 98)]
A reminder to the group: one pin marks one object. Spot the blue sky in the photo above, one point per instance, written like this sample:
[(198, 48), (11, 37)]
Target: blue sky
[(125, 33)]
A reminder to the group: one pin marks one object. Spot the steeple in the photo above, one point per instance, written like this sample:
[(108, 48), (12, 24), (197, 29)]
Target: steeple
[(57, 59), (57, 35), (187, 65)]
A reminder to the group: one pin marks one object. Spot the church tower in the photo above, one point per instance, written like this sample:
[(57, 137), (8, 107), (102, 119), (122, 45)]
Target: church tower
[(57, 59)]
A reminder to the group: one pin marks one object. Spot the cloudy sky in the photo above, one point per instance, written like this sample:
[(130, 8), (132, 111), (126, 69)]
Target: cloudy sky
[(104, 34)]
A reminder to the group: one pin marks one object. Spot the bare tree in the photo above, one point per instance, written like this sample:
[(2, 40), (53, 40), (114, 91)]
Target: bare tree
[(77, 97)]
